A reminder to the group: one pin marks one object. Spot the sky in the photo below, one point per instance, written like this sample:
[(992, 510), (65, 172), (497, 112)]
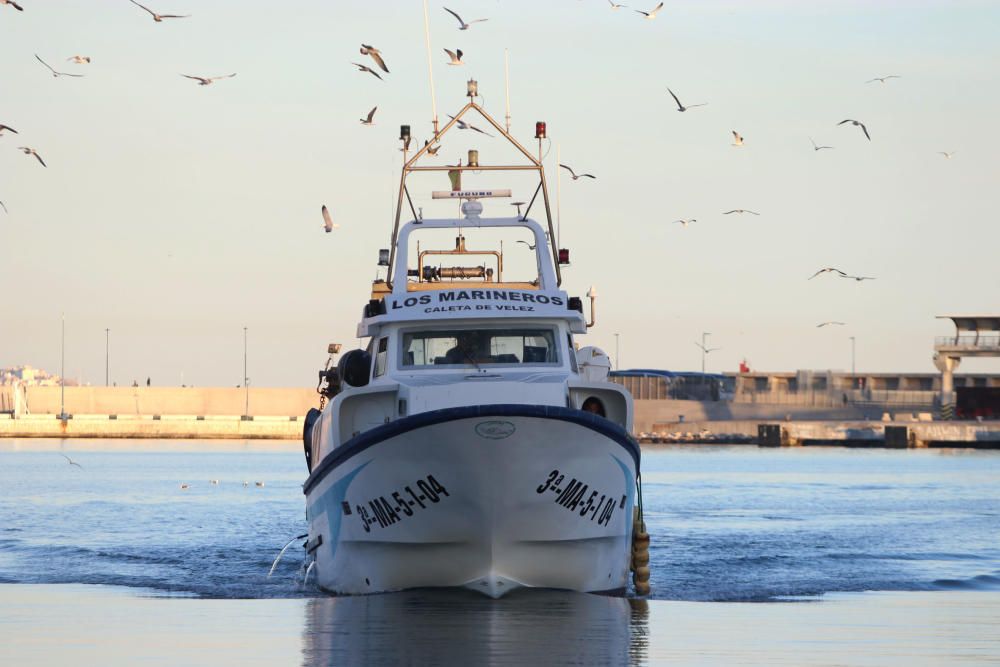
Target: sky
[(175, 215)]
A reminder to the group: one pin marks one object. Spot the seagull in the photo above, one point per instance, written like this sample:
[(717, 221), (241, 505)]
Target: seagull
[(818, 148), (6, 127), (185, 486), (159, 17), (365, 68), (259, 484), (858, 278), (530, 247), (376, 55), (462, 125), (71, 461), (681, 107), (684, 222), (823, 324), (707, 350), (245, 484), (614, 6), (79, 60), (12, 4), (462, 25), (432, 151), (328, 224), (881, 79), (213, 482), (947, 155), (651, 14), (737, 138), (828, 270), (368, 120), (206, 80), (573, 173), (456, 56), (31, 151), (519, 204), (4, 207), (859, 124), (55, 73), (741, 210)]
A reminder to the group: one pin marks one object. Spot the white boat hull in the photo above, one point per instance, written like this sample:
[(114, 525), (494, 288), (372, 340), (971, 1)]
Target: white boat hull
[(490, 498)]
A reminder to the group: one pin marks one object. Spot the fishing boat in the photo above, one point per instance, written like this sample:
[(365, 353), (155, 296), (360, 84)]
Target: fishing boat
[(471, 443)]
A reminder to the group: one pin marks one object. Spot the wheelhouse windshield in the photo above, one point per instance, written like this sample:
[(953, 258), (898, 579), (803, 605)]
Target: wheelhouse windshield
[(478, 347)]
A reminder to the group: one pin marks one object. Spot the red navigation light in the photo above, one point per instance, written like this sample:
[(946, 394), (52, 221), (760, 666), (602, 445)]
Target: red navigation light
[(540, 130), (563, 255)]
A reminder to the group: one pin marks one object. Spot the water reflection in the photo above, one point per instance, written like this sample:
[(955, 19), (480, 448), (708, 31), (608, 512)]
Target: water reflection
[(461, 627)]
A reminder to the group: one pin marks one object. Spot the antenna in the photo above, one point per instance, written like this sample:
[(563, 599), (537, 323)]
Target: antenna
[(558, 198), (430, 67), (506, 85)]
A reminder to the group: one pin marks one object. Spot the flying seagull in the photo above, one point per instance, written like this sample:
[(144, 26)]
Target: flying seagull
[(71, 461), (12, 4), (741, 210), (614, 6), (159, 17), (456, 56), (368, 120), (684, 222), (707, 350), (462, 125), (947, 155), (859, 124), (365, 68), (206, 80), (31, 151), (8, 128), (818, 148), (185, 486), (651, 14), (828, 270), (328, 224), (882, 79), (737, 138), (823, 324), (573, 173), (432, 150), (79, 60), (681, 107), (55, 73), (462, 25), (530, 247), (4, 207), (858, 278), (376, 55)]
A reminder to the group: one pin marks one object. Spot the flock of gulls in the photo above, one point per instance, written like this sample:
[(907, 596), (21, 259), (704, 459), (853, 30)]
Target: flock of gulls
[(184, 486)]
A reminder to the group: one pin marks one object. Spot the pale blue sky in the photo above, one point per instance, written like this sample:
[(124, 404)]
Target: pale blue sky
[(177, 214)]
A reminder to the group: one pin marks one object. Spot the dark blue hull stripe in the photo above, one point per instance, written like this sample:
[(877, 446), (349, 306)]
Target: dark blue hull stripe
[(363, 441)]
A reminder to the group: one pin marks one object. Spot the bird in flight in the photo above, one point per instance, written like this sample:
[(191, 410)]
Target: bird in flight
[(741, 210), (707, 350), (368, 120), (4, 207), (79, 60), (828, 270), (684, 222), (462, 125), (12, 4), (31, 151), (574, 174), (858, 278), (206, 80), (159, 17), (651, 14), (55, 73), (8, 128), (859, 124), (365, 68), (947, 155), (615, 6), (462, 25), (456, 56), (882, 79), (681, 107), (432, 150), (816, 147), (823, 324), (71, 461), (737, 138), (328, 224), (530, 247), (376, 55)]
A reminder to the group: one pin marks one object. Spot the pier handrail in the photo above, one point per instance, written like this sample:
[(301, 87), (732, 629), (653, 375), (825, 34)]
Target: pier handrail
[(968, 340)]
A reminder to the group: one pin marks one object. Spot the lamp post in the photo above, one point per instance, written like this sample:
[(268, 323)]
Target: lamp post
[(107, 357), (617, 363), (62, 372), (246, 380), (853, 371), (704, 350)]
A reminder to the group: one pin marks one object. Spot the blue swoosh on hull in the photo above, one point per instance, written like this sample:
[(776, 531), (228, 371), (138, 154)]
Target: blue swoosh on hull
[(363, 441)]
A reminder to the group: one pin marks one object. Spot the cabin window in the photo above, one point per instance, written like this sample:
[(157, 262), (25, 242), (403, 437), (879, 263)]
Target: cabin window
[(572, 353), (380, 357), (478, 347)]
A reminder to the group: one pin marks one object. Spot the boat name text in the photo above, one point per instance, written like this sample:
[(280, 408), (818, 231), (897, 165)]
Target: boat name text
[(385, 512), (574, 496), (441, 302)]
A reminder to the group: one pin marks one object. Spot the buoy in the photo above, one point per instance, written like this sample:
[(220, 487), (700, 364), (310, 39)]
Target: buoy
[(640, 555)]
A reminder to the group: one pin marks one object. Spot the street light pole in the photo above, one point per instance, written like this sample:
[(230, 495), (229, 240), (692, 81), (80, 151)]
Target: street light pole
[(704, 348), (246, 380), (107, 357), (62, 372), (617, 363), (853, 371)]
